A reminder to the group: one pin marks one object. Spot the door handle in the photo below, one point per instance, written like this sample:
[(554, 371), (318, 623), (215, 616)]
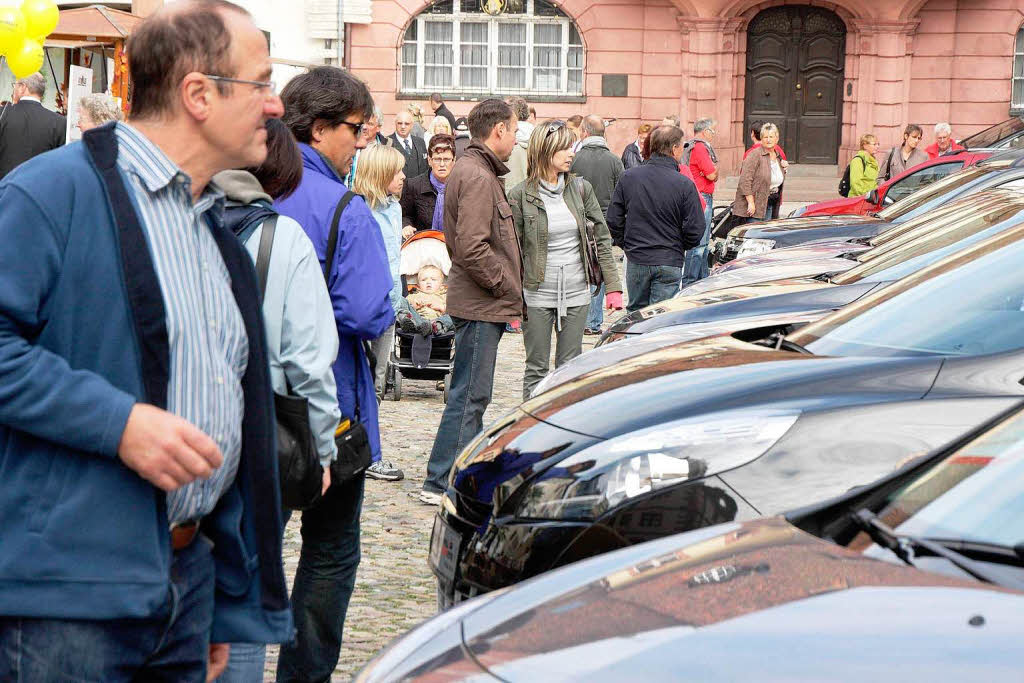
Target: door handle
[(798, 86)]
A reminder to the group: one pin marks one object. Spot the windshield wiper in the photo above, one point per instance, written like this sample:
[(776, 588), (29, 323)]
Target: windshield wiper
[(903, 546)]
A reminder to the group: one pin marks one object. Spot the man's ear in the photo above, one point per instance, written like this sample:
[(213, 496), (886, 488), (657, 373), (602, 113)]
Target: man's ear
[(318, 130), (196, 95)]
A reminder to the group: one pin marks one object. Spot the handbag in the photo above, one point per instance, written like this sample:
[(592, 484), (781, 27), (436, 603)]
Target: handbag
[(351, 437), (299, 470), (590, 243)]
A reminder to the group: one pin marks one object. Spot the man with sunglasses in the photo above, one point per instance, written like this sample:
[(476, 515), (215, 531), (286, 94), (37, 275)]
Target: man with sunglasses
[(325, 110), (140, 500)]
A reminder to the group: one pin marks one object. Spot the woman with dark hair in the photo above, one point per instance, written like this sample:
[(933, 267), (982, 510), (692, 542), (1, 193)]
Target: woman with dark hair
[(906, 155), (423, 196), (302, 339)]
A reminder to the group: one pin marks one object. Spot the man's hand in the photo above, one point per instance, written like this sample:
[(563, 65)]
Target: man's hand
[(218, 660), (613, 301), (166, 450), (408, 231), (327, 481), (783, 164), (751, 208)]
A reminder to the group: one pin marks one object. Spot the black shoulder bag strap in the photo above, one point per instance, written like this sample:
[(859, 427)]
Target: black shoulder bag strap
[(332, 248), (263, 255)]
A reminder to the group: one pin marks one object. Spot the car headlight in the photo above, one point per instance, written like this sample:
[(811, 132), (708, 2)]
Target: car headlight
[(587, 484), (750, 247)]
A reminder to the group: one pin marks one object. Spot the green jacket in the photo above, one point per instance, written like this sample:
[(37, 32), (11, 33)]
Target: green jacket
[(531, 222), (863, 174)]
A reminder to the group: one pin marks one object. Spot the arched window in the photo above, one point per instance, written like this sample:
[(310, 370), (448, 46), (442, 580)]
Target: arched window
[(1017, 96), (530, 48)]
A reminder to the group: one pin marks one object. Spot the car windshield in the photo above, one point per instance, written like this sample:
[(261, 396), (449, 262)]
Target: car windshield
[(954, 307), (939, 188), (987, 214), (990, 136), (976, 494)]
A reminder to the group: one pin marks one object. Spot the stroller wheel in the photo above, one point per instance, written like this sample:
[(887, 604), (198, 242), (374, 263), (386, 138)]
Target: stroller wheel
[(396, 393), (447, 387)]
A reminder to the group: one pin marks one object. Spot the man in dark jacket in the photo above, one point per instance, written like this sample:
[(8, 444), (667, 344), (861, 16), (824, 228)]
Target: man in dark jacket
[(439, 108), (656, 215), (595, 162), (485, 285), (27, 128), (141, 505), (412, 146)]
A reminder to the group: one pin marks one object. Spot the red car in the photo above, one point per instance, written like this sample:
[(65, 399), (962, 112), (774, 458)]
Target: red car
[(894, 189)]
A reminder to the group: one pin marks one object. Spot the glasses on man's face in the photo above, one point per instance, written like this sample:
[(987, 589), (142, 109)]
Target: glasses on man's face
[(358, 129), (264, 87)]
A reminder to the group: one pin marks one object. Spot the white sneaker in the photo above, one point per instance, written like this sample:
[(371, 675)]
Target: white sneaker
[(429, 498), (383, 469)]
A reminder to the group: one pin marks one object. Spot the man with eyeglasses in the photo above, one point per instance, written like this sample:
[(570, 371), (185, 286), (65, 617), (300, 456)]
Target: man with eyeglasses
[(141, 506), (423, 196), (325, 110)]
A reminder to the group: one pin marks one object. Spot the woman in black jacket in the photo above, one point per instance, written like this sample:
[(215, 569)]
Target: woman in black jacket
[(423, 196)]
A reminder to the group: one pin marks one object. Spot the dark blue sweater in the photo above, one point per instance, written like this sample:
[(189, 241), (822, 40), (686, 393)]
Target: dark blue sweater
[(655, 214), (82, 339)]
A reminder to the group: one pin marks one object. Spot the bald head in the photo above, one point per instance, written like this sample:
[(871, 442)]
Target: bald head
[(593, 126)]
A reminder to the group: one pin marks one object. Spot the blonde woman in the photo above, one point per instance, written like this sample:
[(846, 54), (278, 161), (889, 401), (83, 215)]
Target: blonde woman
[(550, 210), (439, 126), (417, 119), (761, 176), (864, 167), (379, 179)]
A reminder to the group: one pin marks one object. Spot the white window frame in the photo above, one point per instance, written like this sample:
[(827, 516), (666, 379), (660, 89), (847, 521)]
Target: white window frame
[(1017, 107), (456, 18)]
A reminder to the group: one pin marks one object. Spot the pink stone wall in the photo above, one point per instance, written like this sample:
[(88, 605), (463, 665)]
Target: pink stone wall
[(908, 61)]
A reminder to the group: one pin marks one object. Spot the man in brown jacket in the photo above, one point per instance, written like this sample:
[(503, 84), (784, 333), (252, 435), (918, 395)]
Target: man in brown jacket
[(485, 285)]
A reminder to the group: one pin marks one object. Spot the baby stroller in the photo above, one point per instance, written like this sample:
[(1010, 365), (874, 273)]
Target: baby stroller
[(416, 356)]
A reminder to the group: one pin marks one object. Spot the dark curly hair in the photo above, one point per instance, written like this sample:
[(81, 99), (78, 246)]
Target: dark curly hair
[(325, 93)]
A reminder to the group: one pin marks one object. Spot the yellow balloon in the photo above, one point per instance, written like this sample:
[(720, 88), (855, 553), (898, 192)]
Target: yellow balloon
[(12, 29), (25, 59), (41, 17)]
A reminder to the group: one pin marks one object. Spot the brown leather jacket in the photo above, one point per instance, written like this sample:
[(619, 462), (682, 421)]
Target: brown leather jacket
[(756, 180), (486, 278)]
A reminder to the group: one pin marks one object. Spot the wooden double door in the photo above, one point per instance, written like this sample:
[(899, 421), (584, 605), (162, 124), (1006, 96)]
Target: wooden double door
[(795, 58)]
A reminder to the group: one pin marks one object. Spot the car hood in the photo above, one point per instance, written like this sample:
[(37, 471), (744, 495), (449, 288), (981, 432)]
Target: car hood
[(779, 269), (783, 297), (811, 250), (722, 373), (724, 603), (765, 229)]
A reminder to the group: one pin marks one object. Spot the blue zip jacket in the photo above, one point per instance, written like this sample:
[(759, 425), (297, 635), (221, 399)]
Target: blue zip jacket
[(359, 280), (82, 339)]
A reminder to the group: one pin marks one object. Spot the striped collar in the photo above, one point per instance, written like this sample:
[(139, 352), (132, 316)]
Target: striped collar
[(139, 156)]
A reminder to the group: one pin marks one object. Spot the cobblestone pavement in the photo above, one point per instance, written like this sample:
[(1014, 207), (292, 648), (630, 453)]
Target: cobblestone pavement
[(395, 590)]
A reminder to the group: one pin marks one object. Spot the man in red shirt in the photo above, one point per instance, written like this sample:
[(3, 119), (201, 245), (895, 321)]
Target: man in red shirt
[(944, 142), (755, 138), (704, 172)]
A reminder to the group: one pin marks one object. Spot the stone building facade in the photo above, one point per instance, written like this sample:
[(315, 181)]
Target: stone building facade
[(826, 71)]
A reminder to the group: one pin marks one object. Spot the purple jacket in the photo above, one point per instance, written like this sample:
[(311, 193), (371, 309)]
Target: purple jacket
[(359, 280)]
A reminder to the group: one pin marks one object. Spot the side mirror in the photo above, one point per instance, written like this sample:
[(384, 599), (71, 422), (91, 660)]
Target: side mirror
[(873, 196)]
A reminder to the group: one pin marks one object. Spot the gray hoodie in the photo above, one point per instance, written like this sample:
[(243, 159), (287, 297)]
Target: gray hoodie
[(302, 338)]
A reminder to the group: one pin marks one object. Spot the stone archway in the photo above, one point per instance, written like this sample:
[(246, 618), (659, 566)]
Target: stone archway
[(795, 62)]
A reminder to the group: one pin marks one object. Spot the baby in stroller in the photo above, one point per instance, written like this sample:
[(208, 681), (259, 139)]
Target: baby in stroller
[(423, 311)]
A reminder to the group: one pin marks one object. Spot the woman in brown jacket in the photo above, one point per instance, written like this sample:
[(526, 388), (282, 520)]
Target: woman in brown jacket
[(761, 176)]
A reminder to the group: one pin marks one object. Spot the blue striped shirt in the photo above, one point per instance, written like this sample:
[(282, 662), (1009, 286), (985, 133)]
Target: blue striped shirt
[(208, 345)]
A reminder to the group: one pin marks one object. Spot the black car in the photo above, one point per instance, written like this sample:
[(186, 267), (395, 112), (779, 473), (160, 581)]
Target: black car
[(1004, 170), (723, 429), (918, 576), (1006, 135)]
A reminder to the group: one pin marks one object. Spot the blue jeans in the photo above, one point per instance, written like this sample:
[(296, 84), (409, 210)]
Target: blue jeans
[(476, 352), (246, 664), (170, 645), (696, 263), (595, 316), (323, 584), (650, 284)]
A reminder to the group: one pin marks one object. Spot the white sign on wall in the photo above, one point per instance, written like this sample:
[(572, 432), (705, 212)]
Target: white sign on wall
[(79, 85)]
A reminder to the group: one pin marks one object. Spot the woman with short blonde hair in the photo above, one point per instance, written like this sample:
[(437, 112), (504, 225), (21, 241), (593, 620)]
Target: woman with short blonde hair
[(551, 210), (761, 177), (864, 167), (439, 126)]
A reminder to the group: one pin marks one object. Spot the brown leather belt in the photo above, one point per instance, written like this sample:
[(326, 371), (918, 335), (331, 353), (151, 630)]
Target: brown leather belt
[(183, 534)]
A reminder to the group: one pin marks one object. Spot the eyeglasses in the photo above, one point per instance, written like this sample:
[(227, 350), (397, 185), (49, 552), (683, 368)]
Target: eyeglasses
[(442, 160), (555, 125), (268, 87), (357, 128)]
